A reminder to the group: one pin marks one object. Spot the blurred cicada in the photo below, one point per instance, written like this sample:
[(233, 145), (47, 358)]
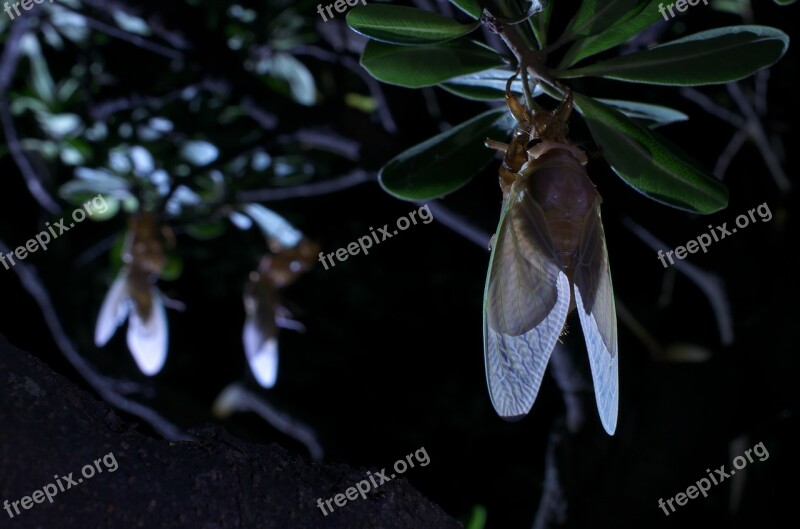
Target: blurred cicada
[(135, 296), (265, 312), (548, 258)]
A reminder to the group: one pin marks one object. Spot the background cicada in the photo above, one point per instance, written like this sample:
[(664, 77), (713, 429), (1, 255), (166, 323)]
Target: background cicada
[(548, 258)]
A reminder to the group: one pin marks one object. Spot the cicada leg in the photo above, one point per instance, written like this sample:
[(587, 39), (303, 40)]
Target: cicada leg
[(556, 129)]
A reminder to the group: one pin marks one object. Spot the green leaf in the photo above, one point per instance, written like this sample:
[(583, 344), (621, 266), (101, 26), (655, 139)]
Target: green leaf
[(41, 80), (205, 231), (444, 163), (709, 57), (470, 7), (650, 116), (273, 226), (419, 66), (173, 268), (541, 23), (628, 26), (595, 16), (785, 2), (405, 25), (649, 163), (94, 181), (486, 85), (477, 519), (199, 153), (286, 68)]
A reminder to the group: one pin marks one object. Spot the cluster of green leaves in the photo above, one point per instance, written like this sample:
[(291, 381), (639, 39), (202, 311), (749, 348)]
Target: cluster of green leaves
[(414, 48), (150, 154)]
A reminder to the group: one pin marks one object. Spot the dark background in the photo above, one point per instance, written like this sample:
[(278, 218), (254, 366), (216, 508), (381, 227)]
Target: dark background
[(392, 357)]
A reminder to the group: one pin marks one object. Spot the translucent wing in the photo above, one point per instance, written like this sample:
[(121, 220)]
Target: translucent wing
[(525, 305), (113, 311), (148, 336), (594, 299), (261, 349)]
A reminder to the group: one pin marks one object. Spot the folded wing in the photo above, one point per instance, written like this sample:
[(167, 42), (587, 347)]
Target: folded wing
[(525, 305), (594, 299)]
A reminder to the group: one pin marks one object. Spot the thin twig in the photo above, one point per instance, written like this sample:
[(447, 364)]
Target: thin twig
[(325, 187), (236, 398), (8, 66), (458, 224), (756, 131), (327, 140), (712, 108), (709, 284), (105, 387), (733, 147), (136, 40)]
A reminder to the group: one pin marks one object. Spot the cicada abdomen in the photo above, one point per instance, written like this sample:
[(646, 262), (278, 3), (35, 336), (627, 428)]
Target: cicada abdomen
[(548, 258), (134, 296), (264, 311)]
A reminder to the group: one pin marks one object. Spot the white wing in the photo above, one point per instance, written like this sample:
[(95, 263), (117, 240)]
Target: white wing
[(114, 310), (147, 339), (594, 299), (261, 351), (525, 306)]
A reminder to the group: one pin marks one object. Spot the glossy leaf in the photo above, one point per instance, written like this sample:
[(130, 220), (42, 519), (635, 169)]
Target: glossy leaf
[(648, 163), (541, 23), (486, 85), (595, 16), (470, 7), (634, 22), (419, 66), (199, 153), (444, 163), (716, 56), (651, 116), (405, 25), (284, 67), (273, 226)]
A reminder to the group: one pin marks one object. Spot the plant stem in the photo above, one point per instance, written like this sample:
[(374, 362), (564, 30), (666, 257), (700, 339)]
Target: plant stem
[(515, 38)]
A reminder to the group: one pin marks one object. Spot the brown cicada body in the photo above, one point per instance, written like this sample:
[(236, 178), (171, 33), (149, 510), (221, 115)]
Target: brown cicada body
[(134, 295), (548, 258)]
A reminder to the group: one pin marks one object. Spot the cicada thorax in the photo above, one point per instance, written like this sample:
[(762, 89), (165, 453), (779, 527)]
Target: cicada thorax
[(144, 248), (556, 178), (552, 169), (145, 260)]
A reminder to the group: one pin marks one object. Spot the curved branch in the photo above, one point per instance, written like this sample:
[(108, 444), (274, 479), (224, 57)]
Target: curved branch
[(8, 66), (325, 187), (107, 388), (709, 284)]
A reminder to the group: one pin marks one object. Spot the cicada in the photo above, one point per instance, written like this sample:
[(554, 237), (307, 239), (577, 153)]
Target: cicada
[(265, 312), (134, 295), (548, 258)]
